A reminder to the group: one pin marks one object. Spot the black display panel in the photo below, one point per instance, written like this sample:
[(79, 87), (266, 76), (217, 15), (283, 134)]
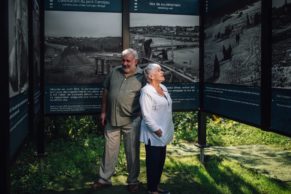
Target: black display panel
[(18, 72), (167, 32), (83, 42), (281, 66), (232, 59)]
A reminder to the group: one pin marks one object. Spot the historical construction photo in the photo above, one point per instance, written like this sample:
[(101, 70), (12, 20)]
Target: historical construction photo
[(81, 47), (233, 42), (171, 40), (18, 47), (281, 45)]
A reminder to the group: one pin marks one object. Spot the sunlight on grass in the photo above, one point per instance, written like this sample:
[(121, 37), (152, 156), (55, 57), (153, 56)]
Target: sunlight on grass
[(71, 164), (64, 171)]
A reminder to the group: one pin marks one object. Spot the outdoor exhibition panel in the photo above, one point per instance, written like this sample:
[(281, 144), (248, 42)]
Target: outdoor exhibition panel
[(232, 59), (36, 56), (167, 32), (18, 38), (4, 102), (83, 42), (281, 66)]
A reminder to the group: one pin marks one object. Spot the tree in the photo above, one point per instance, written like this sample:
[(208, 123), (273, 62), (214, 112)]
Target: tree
[(224, 52), (229, 52), (216, 69)]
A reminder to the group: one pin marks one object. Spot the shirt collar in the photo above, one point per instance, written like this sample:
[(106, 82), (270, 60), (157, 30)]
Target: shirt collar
[(137, 71)]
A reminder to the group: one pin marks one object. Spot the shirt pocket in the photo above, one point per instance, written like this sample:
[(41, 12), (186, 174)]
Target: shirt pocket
[(156, 107)]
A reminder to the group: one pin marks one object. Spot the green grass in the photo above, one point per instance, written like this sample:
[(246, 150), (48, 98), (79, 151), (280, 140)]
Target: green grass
[(227, 132), (71, 164)]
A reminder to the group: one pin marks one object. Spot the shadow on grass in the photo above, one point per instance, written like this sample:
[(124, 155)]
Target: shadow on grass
[(188, 178), (183, 174), (226, 178), (267, 160), (180, 177), (116, 189)]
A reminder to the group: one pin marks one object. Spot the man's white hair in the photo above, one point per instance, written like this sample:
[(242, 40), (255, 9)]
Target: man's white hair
[(129, 51)]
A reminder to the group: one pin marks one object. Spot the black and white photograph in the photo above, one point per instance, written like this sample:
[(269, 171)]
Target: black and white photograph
[(18, 47), (233, 42), (281, 44), (81, 47), (170, 40)]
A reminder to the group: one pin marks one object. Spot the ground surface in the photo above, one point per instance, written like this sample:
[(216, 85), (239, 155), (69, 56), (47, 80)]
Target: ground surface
[(267, 160)]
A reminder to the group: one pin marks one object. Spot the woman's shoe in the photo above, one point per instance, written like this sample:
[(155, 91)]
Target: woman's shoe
[(163, 191), (133, 188), (153, 192)]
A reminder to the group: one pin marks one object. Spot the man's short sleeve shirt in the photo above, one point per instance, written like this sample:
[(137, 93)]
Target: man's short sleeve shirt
[(123, 96)]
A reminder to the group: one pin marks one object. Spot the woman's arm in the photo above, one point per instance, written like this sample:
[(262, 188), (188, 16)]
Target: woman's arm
[(146, 104)]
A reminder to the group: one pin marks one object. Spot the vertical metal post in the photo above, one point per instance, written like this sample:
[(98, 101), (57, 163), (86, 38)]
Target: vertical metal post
[(266, 67), (201, 134), (125, 24), (40, 132), (4, 149), (96, 65), (102, 68), (201, 113), (4, 101), (202, 155)]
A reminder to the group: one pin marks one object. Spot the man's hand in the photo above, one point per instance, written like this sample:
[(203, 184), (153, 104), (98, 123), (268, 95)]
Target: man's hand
[(104, 107), (103, 119)]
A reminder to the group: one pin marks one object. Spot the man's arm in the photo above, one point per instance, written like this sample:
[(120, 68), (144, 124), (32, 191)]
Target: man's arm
[(104, 107)]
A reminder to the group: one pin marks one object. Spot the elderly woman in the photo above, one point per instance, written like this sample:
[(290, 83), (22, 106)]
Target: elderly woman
[(157, 126)]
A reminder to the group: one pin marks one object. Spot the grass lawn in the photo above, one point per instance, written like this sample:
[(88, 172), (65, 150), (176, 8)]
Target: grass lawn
[(70, 167), (239, 159)]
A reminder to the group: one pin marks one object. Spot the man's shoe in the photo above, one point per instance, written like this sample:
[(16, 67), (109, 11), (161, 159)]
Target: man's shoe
[(98, 185), (133, 188)]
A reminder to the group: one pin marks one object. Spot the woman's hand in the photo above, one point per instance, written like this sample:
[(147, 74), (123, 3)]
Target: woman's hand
[(159, 133)]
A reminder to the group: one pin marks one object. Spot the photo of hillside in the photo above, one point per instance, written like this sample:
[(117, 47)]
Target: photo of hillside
[(281, 44), (233, 43)]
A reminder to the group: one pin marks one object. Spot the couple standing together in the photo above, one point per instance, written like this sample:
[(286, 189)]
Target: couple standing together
[(138, 107)]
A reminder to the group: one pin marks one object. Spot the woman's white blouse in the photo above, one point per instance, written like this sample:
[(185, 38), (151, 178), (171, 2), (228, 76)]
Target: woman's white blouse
[(156, 114)]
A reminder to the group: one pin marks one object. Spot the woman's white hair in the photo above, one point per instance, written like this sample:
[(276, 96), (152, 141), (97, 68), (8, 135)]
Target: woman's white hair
[(149, 68)]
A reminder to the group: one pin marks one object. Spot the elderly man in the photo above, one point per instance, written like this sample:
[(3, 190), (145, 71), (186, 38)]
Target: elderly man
[(120, 114)]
